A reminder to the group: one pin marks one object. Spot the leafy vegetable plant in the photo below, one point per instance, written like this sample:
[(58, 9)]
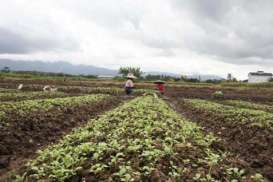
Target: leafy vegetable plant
[(137, 141)]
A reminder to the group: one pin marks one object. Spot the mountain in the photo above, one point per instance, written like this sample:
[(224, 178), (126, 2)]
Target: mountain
[(203, 77), (68, 68), (55, 67)]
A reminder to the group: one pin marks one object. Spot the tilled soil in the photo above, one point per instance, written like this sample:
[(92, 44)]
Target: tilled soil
[(24, 135), (13, 83), (253, 94), (161, 172), (262, 95), (253, 145)]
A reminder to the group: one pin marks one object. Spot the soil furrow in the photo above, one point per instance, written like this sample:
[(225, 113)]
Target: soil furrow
[(251, 145), (24, 136)]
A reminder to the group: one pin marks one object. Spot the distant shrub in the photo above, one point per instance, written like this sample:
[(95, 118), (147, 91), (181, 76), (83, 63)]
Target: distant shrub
[(214, 81), (247, 85), (218, 95)]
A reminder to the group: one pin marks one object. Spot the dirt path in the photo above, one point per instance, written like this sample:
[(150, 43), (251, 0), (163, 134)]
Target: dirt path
[(24, 136), (252, 146)]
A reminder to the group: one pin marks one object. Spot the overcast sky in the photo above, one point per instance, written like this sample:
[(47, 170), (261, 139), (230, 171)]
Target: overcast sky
[(179, 36)]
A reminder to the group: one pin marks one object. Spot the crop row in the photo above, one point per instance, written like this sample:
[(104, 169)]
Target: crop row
[(235, 114), (90, 90), (3, 90), (24, 107), (141, 140), (248, 105), (103, 90), (11, 96)]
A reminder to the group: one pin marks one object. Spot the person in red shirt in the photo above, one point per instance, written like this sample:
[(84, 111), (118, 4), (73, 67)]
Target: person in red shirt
[(160, 86)]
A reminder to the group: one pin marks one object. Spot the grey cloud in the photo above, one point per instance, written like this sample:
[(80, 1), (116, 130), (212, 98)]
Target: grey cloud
[(231, 31), (11, 42), (110, 15), (166, 53), (234, 31), (210, 9), (16, 43), (159, 42), (164, 45)]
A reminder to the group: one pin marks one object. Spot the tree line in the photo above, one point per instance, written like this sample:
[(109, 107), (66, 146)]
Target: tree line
[(123, 72)]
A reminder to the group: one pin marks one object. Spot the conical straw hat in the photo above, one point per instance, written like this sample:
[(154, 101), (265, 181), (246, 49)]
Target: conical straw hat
[(131, 75)]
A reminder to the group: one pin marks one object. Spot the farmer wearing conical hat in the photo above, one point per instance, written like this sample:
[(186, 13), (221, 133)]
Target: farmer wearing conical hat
[(129, 85), (160, 86)]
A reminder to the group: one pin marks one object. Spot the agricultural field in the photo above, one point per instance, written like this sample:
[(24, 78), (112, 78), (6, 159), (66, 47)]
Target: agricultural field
[(17, 96), (126, 144), (249, 105), (245, 128), (253, 115), (92, 131)]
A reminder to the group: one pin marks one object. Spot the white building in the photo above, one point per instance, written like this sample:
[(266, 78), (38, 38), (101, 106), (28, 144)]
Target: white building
[(259, 77), (106, 77)]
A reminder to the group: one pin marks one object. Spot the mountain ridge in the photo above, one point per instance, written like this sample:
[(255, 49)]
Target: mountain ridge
[(68, 68), (56, 67)]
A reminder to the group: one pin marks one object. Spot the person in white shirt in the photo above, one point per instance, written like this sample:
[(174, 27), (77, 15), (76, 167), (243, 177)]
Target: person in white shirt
[(129, 85)]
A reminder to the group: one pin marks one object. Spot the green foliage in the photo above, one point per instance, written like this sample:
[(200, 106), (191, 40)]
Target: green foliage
[(117, 91), (248, 105), (235, 174), (126, 143), (235, 115), (257, 178), (106, 90), (192, 80), (23, 108), (7, 96), (161, 77), (6, 69), (125, 70), (247, 85), (144, 91), (37, 75), (218, 95)]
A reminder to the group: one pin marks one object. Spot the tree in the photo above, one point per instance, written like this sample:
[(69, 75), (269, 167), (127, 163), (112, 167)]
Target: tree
[(234, 79), (125, 70), (161, 77), (6, 69), (184, 78), (229, 77)]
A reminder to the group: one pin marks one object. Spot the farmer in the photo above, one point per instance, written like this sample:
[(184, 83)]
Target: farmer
[(129, 85), (160, 86), (20, 87)]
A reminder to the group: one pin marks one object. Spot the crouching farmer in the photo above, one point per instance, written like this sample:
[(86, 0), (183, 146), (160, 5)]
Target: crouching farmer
[(129, 85)]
